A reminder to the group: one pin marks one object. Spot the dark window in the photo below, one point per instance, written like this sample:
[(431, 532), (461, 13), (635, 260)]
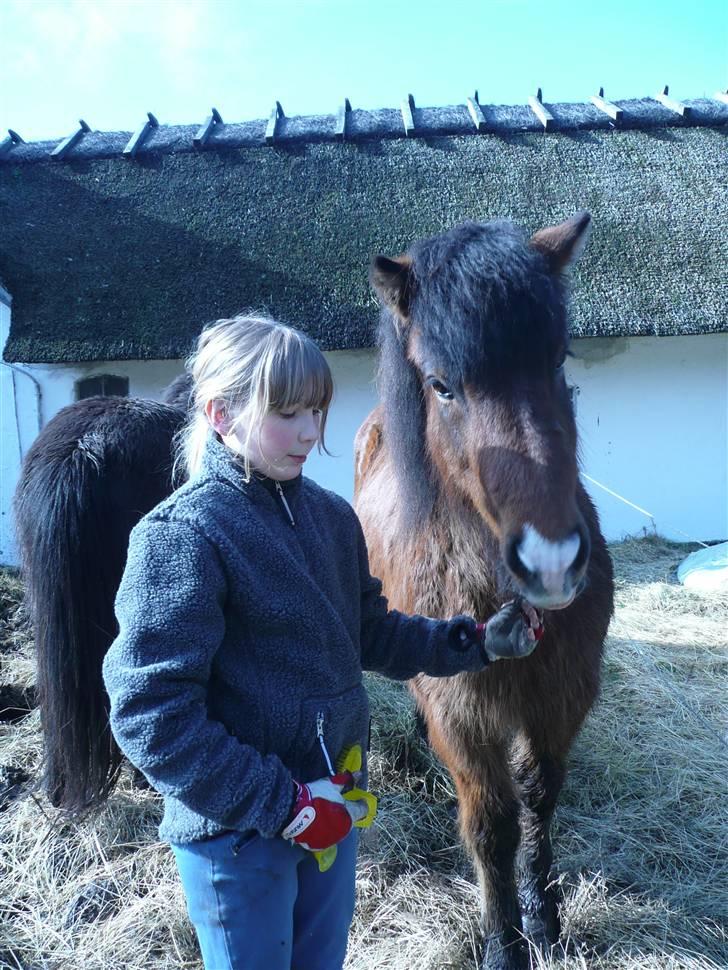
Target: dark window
[(105, 384)]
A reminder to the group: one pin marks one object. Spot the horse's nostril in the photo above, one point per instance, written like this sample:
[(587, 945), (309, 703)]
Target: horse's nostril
[(513, 559), (582, 557)]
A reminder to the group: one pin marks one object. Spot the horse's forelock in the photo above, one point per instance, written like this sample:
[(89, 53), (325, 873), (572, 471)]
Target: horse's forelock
[(484, 295)]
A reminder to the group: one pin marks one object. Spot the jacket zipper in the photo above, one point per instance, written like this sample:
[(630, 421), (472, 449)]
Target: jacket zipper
[(285, 503), (320, 736)]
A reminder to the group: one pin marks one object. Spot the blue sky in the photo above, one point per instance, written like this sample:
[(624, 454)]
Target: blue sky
[(110, 62)]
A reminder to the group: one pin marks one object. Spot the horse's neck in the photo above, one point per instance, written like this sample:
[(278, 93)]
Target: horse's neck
[(444, 565), (465, 558)]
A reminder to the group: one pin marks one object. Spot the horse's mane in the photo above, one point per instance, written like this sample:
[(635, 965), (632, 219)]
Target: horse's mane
[(400, 391), (179, 393)]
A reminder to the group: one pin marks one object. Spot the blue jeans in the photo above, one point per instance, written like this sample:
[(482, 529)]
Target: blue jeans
[(262, 904)]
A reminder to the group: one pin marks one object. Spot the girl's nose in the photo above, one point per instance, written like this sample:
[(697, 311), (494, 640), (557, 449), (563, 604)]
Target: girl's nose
[(310, 430)]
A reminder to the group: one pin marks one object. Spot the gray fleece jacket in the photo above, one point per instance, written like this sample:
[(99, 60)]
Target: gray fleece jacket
[(242, 637)]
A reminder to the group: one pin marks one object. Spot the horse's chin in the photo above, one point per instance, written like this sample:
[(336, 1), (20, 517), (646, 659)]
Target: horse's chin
[(548, 604), (552, 602)]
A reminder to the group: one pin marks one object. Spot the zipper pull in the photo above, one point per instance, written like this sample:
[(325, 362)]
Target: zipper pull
[(285, 503), (320, 736)]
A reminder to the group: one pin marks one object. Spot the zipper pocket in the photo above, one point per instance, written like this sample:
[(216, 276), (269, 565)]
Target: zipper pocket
[(322, 742), (242, 841)]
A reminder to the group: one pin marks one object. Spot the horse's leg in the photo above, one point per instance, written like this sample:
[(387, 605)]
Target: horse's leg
[(539, 757), (489, 812), (539, 775)]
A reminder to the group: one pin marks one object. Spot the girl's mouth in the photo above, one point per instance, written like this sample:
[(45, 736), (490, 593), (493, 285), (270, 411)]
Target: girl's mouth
[(298, 458)]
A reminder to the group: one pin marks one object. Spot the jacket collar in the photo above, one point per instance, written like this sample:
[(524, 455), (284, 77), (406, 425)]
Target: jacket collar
[(219, 462)]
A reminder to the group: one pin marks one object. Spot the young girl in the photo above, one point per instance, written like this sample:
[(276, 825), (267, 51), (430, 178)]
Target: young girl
[(246, 615)]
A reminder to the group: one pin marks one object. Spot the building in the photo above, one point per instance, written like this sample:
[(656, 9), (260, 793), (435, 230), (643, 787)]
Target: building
[(116, 248)]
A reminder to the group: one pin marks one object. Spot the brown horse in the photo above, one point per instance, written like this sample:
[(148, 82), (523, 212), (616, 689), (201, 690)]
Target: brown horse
[(467, 487)]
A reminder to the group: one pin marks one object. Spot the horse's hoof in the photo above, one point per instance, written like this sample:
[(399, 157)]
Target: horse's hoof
[(542, 929), (540, 916), (501, 955)]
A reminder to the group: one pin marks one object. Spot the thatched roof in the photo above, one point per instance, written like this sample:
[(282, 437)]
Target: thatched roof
[(109, 257)]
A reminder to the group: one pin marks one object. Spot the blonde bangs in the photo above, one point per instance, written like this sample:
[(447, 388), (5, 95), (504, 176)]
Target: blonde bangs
[(298, 376)]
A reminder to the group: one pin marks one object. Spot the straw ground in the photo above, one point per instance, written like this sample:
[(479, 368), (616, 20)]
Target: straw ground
[(641, 833)]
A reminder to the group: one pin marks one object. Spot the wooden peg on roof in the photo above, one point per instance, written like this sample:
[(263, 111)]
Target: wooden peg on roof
[(140, 136), (677, 106), (342, 116), (408, 114), (606, 106), (721, 96), (476, 112), (61, 150), (272, 128), (544, 116), (203, 133), (6, 144)]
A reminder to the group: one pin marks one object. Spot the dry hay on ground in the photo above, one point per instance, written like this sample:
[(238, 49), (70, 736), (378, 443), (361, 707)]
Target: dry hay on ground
[(641, 833)]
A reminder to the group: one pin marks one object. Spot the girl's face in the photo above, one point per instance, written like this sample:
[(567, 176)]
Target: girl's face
[(282, 444)]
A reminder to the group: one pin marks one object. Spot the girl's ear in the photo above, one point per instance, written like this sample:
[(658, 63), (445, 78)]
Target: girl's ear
[(217, 415)]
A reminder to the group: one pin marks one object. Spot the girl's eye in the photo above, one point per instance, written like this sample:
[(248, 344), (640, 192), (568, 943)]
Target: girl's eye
[(317, 412), (442, 391)]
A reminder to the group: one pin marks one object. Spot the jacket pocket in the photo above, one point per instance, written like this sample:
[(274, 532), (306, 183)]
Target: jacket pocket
[(328, 726)]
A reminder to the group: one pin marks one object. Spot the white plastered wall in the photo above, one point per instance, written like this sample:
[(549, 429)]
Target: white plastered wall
[(652, 414), (653, 422)]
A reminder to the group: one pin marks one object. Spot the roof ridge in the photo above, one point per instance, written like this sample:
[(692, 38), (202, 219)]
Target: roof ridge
[(472, 117)]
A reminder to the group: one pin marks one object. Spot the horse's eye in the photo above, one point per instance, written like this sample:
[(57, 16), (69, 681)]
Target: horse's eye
[(443, 392)]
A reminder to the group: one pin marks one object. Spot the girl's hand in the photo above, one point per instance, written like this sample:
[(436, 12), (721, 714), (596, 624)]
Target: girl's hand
[(321, 816), (513, 632)]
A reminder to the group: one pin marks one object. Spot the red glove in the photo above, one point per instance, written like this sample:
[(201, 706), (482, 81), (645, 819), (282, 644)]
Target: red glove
[(321, 816)]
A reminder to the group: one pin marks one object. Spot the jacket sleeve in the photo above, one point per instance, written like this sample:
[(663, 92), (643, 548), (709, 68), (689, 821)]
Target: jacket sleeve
[(401, 646), (170, 608)]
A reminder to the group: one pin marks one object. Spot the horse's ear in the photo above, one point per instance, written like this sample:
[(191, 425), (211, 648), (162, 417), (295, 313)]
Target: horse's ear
[(392, 281), (563, 244)]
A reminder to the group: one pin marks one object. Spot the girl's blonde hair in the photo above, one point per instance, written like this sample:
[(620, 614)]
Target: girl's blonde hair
[(254, 365)]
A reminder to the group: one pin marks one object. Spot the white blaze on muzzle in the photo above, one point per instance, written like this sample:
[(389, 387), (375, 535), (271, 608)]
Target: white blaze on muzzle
[(548, 560)]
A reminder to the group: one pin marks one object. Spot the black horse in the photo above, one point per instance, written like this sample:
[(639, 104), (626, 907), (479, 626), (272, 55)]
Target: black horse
[(89, 476)]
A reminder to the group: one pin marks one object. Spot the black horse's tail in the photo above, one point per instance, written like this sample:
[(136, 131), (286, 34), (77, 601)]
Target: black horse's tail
[(93, 471)]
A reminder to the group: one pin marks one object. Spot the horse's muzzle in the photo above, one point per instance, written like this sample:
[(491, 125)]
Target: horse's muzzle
[(550, 574)]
